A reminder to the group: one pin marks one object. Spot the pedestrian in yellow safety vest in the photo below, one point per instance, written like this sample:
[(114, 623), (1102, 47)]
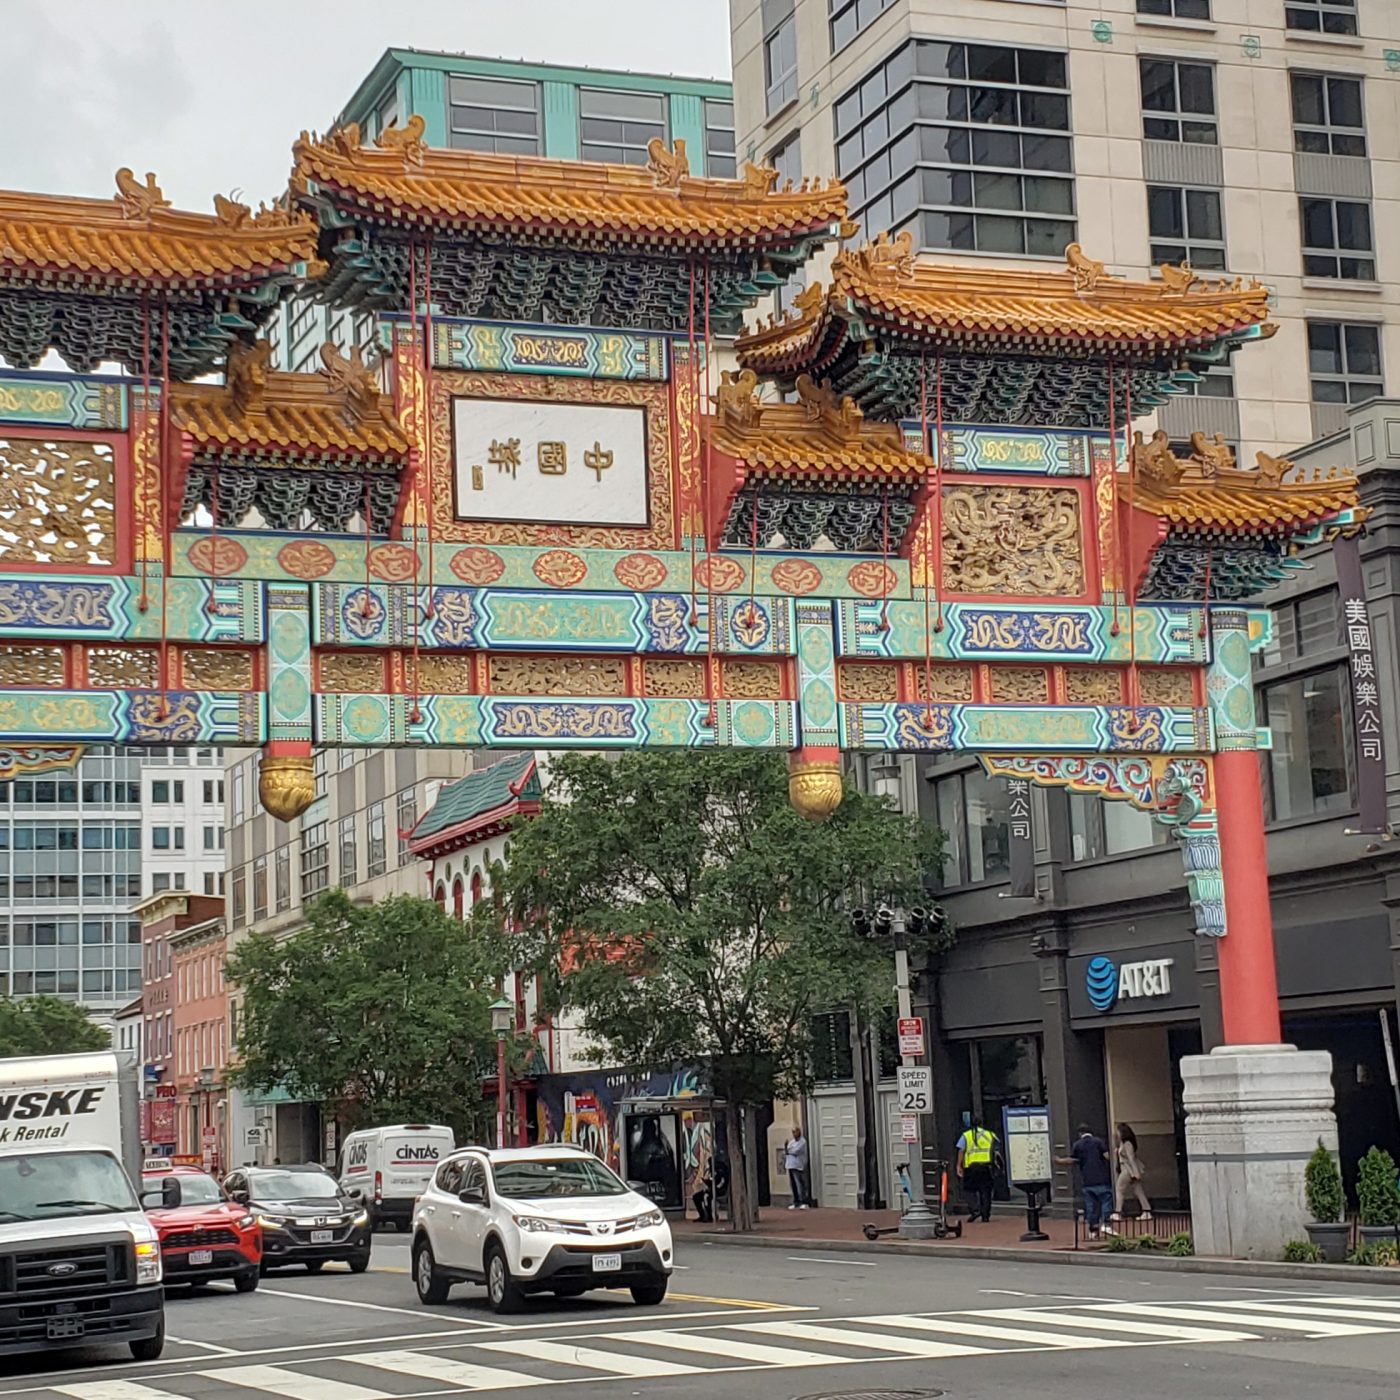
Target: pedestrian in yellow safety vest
[(976, 1148)]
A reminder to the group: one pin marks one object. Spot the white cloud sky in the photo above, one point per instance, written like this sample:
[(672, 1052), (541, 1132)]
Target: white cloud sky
[(210, 94)]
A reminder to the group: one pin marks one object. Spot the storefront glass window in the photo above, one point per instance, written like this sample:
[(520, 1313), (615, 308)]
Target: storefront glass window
[(988, 827), (1310, 762), (1125, 828)]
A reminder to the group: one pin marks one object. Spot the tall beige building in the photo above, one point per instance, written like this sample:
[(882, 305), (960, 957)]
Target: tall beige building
[(1254, 137)]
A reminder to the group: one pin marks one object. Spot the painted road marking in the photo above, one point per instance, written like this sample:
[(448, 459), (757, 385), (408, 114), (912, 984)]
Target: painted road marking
[(817, 1259), (1216, 1313), (965, 1327), (419, 1313), (110, 1390), (724, 1348), (429, 1367), (613, 1363), (293, 1384), (871, 1341), (1318, 1309), (1154, 1329)]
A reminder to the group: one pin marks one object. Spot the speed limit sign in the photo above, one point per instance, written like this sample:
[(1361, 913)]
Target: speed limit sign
[(915, 1088)]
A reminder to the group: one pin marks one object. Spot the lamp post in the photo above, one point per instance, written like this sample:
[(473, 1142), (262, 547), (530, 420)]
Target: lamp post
[(884, 776), (502, 1018)]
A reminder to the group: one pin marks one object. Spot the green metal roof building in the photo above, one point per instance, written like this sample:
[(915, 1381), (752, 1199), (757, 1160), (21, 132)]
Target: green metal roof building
[(511, 108)]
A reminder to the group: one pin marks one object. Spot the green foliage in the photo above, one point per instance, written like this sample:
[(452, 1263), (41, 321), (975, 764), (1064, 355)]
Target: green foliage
[(1120, 1244), (47, 1026), (1180, 1246), (382, 1010), (1322, 1184), (1381, 1255), (1302, 1252), (1148, 1244), (1376, 1194)]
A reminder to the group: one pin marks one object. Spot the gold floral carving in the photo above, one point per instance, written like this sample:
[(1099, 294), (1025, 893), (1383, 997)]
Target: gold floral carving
[(57, 501), (133, 668), (675, 680), (1012, 540), (145, 484), (558, 675), (356, 672), (31, 666), (949, 682), (752, 680), (286, 785), (1093, 685), (815, 789), (1166, 685), (210, 668), (857, 680), (1026, 684)]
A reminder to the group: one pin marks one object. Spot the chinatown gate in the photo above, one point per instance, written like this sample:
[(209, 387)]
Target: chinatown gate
[(536, 513)]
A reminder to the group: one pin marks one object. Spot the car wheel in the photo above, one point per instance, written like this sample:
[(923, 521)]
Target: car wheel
[(431, 1286), (359, 1262), (246, 1283), (649, 1294), (315, 1266), (502, 1291), (151, 1348)]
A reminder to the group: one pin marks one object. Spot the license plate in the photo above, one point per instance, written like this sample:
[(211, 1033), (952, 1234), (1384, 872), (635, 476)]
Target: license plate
[(201, 1256), (61, 1328), (606, 1263), (322, 1236)]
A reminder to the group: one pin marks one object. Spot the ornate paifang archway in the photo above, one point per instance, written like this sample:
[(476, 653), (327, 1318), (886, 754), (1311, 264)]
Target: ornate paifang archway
[(547, 518)]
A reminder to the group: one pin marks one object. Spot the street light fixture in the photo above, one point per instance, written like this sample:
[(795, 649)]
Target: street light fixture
[(502, 1019)]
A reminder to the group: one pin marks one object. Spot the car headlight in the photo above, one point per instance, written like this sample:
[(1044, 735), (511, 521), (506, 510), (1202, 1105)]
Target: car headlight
[(650, 1220), (539, 1224), (147, 1262), (362, 1218), (271, 1222), (247, 1222)]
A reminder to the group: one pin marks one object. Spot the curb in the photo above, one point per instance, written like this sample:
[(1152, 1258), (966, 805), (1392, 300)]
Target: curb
[(1192, 1264)]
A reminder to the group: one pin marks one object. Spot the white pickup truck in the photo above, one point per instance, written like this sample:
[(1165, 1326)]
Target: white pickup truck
[(79, 1260)]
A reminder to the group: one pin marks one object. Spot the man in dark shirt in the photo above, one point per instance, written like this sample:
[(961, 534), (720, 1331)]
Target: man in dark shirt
[(1090, 1155)]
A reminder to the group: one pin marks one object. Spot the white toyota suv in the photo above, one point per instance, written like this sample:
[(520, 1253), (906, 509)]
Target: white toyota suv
[(536, 1220)]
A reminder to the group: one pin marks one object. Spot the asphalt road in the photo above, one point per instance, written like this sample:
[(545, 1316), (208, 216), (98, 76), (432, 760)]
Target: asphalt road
[(762, 1324)]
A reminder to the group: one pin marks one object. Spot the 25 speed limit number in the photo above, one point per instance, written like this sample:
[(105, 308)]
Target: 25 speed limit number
[(915, 1088)]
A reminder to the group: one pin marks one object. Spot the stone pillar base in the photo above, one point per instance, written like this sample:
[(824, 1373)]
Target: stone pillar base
[(1254, 1115)]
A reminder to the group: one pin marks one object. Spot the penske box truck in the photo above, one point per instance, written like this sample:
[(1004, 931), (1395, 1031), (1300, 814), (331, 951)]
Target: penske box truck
[(79, 1260)]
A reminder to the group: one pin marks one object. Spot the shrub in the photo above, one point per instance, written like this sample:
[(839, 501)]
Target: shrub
[(1302, 1252), (1376, 1192), (1118, 1244), (1148, 1243), (1180, 1246), (1323, 1186)]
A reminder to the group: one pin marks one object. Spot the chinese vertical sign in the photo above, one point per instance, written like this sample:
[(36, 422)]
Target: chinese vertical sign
[(1021, 838), (1365, 691)]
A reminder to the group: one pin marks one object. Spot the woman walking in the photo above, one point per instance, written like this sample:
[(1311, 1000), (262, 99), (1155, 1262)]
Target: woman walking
[(1129, 1175)]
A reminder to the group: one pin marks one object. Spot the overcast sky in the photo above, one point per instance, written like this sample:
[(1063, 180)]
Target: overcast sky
[(210, 94)]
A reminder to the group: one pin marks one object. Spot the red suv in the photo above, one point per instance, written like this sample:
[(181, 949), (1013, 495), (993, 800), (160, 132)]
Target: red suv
[(203, 1235)]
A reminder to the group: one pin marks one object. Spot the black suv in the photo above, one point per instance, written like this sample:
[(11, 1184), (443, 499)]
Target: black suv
[(304, 1217)]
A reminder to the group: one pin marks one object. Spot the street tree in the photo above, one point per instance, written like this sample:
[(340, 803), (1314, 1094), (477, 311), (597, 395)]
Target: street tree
[(693, 917), (381, 1010), (45, 1025)]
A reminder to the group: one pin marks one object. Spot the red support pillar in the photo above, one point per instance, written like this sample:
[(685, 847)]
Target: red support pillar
[(1248, 977)]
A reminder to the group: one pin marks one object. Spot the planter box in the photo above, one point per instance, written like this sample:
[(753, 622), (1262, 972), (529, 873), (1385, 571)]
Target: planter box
[(1378, 1234), (1333, 1240)]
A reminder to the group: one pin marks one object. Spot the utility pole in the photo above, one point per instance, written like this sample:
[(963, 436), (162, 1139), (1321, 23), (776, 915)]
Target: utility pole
[(919, 1222)]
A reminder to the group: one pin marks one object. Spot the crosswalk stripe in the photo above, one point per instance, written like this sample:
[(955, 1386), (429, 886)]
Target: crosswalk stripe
[(727, 1347), (111, 1390), (968, 1328), (1287, 1324), (871, 1341), (615, 1363), (1158, 1330), (294, 1384), (431, 1367), (1343, 1310)]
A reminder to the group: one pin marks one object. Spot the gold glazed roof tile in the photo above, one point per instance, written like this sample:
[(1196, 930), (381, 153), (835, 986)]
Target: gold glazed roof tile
[(338, 410), (952, 304), (400, 177), (136, 236), (820, 436)]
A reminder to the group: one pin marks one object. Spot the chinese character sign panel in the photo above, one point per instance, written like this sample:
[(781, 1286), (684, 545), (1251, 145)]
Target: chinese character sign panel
[(550, 463)]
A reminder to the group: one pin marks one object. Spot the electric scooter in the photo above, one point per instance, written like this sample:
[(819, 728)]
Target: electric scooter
[(943, 1229)]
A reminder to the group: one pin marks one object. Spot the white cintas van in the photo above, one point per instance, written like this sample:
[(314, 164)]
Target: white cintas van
[(387, 1169)]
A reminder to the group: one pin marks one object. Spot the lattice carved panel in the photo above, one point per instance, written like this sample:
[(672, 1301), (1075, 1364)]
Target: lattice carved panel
[(871, 682), (752, 680), (1012, 540), (948, 682), (123, 668), (352, 672), (674, 680), (57, 501), (444, 674), (558, 675), (1093, 685), (32, 666), (214, 668), (1027, 685), (1163, 685)]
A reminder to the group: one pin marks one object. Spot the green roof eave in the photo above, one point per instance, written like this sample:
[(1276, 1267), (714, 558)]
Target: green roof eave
[(479, 792)]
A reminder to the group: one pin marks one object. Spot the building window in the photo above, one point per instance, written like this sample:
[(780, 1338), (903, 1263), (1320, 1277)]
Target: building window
[(213, 838), (208, 882), (378, 852), (849, 17), (238, 898), (1337, 239), (283, 877), (260, 888), (320, 770), (1178, 101), (1344, 360), (1328, 115), (617, 126), (345, 758), (160, 838), (213, 790), (407, 817), (1098, 828), (1214, 383), (974, 811), (780, 64), (160, 882), (315, 859), (1185, 225), (1309, 765), (719, 139), (303, 318), (493, 114), (1321, 16), (974, 136), (240, 803), (349, 861), (164, 791), (1175, 9)]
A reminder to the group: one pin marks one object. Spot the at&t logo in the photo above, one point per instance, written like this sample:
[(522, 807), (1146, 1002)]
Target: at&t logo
[(1108, 984)]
